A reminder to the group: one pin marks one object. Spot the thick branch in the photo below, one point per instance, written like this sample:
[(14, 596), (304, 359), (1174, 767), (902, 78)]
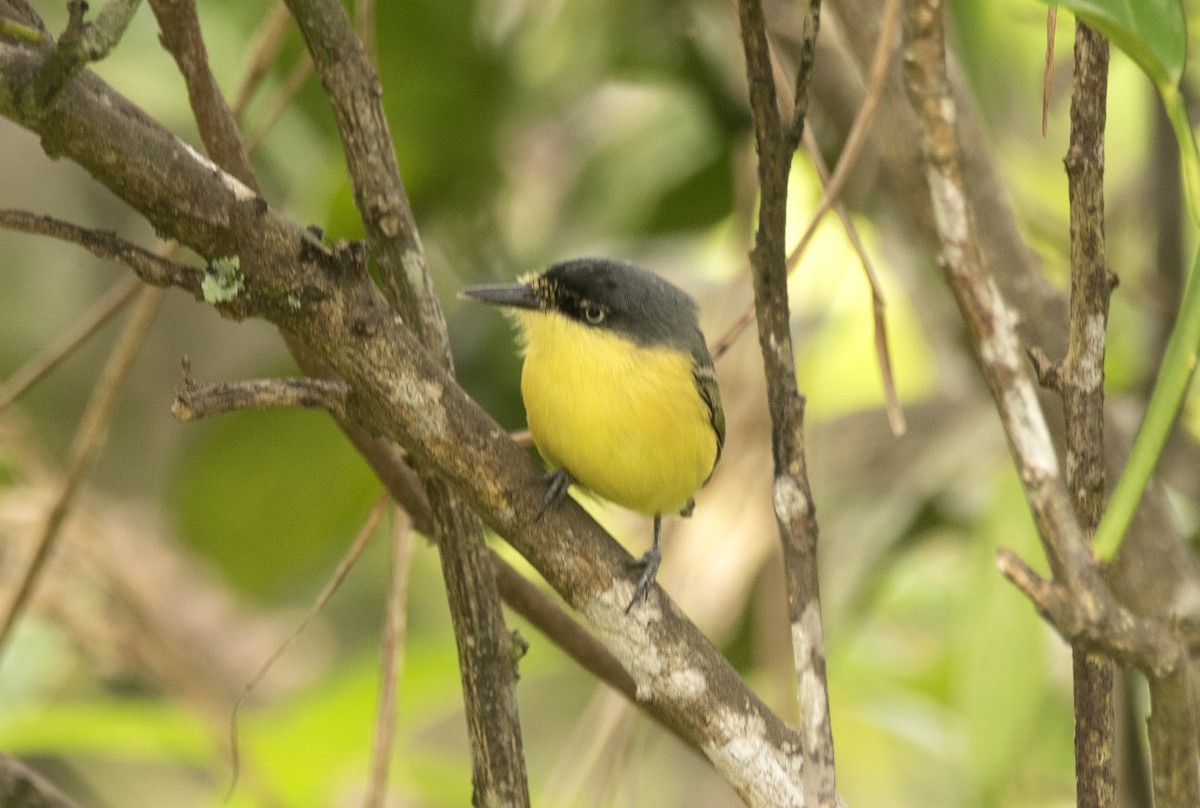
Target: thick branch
[(486, 661)]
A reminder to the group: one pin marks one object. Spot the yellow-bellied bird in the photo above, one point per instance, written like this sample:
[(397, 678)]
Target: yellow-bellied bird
[(619, 388)]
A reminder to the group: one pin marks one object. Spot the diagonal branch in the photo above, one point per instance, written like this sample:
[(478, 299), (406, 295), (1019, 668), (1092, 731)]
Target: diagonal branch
[(180, 35), (325, 299), (89, 440), (354, 93), (100, 313)]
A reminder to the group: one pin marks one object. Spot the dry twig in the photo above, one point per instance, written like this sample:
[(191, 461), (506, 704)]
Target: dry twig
[(391, 645), (88, 324)]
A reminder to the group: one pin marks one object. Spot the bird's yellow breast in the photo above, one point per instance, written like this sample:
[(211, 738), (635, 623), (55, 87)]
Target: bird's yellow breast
[(626, 421)]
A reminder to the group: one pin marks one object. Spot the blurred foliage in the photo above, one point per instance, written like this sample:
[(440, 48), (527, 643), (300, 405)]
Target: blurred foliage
[(529, 132), (310, 487)]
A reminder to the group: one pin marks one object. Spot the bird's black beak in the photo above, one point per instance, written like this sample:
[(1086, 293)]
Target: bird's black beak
[(513, 295)]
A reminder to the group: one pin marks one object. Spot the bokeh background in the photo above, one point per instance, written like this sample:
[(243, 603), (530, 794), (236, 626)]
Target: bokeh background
[(527, 133)]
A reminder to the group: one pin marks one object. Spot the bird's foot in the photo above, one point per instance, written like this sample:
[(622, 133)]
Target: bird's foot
[(558, 481), (648, 563)]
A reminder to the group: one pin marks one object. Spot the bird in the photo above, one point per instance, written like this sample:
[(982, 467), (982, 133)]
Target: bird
[(620, 392)]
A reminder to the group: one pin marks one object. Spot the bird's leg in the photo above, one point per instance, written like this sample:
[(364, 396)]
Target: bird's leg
[(559, 481), (649, 564)]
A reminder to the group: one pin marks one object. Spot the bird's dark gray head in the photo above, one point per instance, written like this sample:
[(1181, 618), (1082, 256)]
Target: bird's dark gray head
[(619, 296)]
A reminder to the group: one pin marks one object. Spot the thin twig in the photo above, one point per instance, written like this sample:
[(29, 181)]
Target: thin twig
[(857, 136), (195, 401), (65, 344), (1048, 67), (21, 787), (851, 150), (265, 46), (395, 625), (794, 509), (89, 440), (883, 356), (180, 35), (150, 267), (296, 78), (331, 586), (81, 43)]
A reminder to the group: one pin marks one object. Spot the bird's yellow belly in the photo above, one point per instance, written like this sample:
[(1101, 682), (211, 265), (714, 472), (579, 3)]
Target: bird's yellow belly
[(627, 422)]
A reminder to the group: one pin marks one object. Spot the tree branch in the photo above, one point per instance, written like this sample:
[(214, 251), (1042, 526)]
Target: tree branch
[(1081, 378), (150, 267), (1174, 747), (795, 512), (352, 85), (325, 299), (81, 43), (89, 439), (486, 660), (180, 35), (49, 358), (1087, 612), (195, 401)]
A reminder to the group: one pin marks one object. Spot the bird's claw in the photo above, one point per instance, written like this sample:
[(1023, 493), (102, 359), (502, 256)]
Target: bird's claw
[(558, 481), (649, 566)]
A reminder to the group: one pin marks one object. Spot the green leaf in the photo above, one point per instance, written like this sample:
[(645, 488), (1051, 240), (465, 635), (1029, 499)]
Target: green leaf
[(1152, 32)]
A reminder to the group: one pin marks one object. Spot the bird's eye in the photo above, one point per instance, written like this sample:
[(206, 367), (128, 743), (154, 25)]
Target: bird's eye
[(593, 313)]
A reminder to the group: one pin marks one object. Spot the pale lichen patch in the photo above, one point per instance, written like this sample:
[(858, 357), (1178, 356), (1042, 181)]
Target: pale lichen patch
[(222, 281), (1091, 365), (788, 499)]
